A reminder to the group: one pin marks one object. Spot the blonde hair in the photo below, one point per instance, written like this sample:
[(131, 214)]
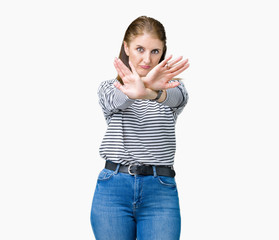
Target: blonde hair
[(140, 26)]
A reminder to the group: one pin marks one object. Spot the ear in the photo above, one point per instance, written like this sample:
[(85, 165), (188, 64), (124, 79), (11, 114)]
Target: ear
[(126, 48)]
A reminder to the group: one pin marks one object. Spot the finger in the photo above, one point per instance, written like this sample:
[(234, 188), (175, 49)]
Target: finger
[(120, 67), (119, 86), (180, 70), (133, 68), (164, 62), (178, 66), (123, 67), (175, 65), (172, 84), (173, 62), (119, 71)]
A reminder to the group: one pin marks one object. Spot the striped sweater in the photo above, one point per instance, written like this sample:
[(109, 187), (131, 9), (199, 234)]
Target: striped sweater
[(140, 131)]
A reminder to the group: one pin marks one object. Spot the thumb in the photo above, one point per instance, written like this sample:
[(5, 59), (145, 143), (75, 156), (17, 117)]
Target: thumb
[(172, 84), (118, 85)]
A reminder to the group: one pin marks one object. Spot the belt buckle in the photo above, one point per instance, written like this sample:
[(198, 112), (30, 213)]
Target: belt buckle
[(129, 170)]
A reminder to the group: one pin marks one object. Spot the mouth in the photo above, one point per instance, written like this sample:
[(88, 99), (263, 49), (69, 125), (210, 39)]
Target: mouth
[(145, 66)]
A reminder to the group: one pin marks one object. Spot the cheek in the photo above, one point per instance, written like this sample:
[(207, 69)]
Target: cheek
[(158, 58), (134, 59)]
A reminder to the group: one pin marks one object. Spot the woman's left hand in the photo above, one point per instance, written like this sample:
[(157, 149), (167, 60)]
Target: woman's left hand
[(158, 78)]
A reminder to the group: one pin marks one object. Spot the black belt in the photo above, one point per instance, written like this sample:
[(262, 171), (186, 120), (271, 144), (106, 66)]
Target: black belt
[(141, 169)]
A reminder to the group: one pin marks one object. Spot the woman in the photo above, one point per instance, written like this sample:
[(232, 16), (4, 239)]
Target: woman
[(136, 195)]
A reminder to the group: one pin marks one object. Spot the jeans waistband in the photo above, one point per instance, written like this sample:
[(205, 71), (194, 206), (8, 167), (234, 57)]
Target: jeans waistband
[(141, 169)]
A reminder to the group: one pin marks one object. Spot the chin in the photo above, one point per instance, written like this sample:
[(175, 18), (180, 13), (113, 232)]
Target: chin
[(143, 73)]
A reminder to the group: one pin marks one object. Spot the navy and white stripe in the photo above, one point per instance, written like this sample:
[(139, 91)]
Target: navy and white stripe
[(140, 131)]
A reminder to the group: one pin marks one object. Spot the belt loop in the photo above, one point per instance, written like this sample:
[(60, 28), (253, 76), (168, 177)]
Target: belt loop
[(117, 168), (154, 171)]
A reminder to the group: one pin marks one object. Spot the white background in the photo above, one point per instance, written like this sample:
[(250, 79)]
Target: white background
[(55, 53)]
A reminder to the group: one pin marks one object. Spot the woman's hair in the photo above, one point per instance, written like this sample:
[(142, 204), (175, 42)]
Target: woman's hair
[(140, 26)]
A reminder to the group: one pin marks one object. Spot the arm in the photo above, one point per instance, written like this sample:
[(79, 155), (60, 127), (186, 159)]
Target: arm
[(159, 78), (174, 94), (176, 98), (112, 99)]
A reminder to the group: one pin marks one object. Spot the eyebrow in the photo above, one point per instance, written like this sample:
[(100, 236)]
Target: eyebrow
[(159, 49)]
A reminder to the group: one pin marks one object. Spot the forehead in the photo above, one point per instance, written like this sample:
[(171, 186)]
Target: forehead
[(146, 40)]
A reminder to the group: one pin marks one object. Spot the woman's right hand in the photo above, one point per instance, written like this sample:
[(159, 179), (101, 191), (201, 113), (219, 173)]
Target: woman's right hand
[(133, 86)]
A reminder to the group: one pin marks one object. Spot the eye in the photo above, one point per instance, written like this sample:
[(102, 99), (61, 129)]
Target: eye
[(140, 49), (155, 51)]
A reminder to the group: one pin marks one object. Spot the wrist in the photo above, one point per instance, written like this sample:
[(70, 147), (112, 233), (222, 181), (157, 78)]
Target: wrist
[(146, 84), (149, 94), (159, 93), (163, 96), (152, 95)]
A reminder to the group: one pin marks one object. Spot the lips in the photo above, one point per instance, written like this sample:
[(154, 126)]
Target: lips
[(145, 66)]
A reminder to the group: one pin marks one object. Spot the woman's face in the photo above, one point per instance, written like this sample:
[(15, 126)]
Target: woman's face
[(144, 52)]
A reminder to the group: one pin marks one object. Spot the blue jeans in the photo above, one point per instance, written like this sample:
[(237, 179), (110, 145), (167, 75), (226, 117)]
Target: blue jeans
[(127, 207)]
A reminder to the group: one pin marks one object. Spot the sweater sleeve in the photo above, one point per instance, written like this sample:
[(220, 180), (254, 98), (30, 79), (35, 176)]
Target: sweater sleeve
[(111, 99), (177, 98)]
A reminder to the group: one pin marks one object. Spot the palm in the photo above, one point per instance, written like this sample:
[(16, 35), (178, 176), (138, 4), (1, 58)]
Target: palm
[(133, 86), (158, 78)]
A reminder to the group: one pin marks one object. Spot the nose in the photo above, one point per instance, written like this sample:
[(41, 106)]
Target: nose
[(147, 58)]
